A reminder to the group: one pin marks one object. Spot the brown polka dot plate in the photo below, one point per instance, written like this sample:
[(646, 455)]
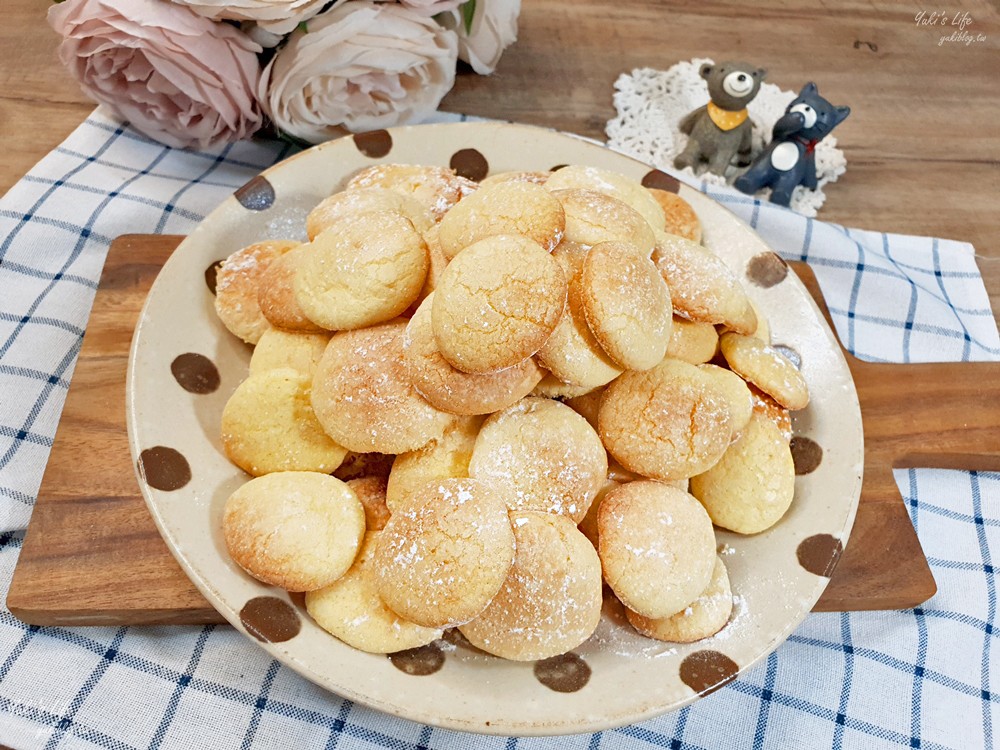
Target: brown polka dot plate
[(184, 366)]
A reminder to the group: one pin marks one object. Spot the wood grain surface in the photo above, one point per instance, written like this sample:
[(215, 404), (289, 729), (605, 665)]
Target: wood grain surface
[(92, 554), (921, 143)]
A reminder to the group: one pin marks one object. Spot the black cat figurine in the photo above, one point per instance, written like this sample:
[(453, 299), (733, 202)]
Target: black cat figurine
[(789, 161)]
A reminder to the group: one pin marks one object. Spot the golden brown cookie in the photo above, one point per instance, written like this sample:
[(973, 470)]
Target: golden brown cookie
[(451, 390), (438, 262), (362, 271), (371, 492), (752, 485), (588, 525), (692, 342), (445, 552), (277, 298), (268, 425), (593, 217), (349, 204), (670, 422), (572, 353), (539, 178), (704, 617), (702, 287), (436, 188), (552, 387), (657, 547), (446, 458), (680, 218), (736, 390), (766, 368), (298, 530), (363, 397), (618, 186), (497, 303), (350, 609), (627, 305), (551, 600), (236, 288), (768, 407), (506, 208), (587, 405), (278, 348), (544, 455)]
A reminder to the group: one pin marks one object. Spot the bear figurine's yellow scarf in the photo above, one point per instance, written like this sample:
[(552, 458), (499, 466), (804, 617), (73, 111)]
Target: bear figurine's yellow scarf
[(726, 119)]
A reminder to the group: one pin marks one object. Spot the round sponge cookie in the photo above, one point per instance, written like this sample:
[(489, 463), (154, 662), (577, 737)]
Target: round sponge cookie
[(276, 296), (371, 492), (657, 547), (702, 287), (551, 600), (692, 342), (506, 208), (705, 616), (680, 218), (766, 368), (627, 305), (447, 458), (752, 486), (278, 348), (445, 552), (349, 204), (545, 456), (236, 287), (268, 425), (350, 609), (616, 185), (360, 272), (736, 390), (593, 217), (539, 178), (670, 422), (572, 354), (552, 387), (363, 397), (436, 188), (496, 304), (768, 407), (299, 530), (448, 388)]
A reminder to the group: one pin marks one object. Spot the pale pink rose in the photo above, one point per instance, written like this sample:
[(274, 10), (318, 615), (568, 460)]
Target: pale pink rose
[(494, 28), (276, 16), (177, 77), (362, 66), (432, 7)]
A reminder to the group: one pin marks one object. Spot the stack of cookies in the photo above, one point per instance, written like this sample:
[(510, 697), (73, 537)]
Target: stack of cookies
[(472, 405)]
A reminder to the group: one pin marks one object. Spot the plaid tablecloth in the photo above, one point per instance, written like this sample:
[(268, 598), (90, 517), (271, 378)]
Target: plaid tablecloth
[(927, 678)]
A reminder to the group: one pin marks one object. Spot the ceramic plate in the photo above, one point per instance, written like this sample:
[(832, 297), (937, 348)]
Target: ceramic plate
[(617, 677)]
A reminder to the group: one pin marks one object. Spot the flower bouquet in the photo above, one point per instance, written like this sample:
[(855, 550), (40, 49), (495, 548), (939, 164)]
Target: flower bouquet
[(198, 73)]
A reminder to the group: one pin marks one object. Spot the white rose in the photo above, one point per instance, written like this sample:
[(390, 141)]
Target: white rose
[(363, 66), (494, 28), (275, 16)]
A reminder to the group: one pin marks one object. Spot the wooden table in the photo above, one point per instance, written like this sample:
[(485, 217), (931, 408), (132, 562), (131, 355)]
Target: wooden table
[(922, 142)]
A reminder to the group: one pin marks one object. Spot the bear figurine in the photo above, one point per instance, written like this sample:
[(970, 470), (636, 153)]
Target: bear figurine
[(789, 161), (721, 130)]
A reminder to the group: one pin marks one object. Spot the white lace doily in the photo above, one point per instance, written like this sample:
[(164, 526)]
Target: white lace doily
[(651, 103)]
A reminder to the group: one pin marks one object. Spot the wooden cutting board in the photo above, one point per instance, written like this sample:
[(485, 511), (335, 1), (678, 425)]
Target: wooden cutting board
[(92, 555)]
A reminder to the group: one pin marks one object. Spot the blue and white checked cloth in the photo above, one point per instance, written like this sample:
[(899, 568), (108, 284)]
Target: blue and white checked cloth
[(926, 678)]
